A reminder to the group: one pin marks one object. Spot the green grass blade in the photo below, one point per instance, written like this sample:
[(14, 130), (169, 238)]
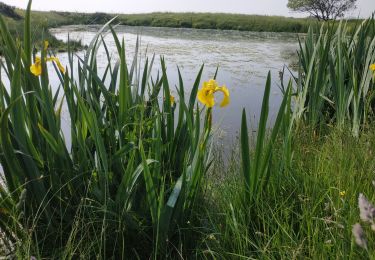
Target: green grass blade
[(245, 151)]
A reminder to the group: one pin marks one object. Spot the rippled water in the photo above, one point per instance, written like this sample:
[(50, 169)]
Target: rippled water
[(244, 59)]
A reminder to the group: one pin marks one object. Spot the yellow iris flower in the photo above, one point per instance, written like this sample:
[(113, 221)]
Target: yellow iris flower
[(372, 67), (172, 100), (342, 193), (206, 94), (36, 68)]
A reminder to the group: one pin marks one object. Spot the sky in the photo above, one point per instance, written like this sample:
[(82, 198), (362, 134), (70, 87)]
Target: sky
[(263, 7)]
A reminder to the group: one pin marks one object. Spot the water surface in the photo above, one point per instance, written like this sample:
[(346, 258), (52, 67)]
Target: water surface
[(243, 58)]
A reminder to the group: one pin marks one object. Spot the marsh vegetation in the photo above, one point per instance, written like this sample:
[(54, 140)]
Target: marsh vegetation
[(141, 177)]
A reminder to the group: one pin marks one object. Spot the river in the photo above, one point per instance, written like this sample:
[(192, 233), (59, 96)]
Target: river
[(243, 58)]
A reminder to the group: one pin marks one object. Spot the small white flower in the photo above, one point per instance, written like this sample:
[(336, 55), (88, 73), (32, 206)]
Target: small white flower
[(359, 236), (367, 210)]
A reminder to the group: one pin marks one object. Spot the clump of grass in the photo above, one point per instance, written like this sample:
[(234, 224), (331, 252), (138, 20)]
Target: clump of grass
[(306, 211)]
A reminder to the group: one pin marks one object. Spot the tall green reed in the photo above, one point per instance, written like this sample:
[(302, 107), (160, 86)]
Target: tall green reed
[(256, 168), (132, 169)]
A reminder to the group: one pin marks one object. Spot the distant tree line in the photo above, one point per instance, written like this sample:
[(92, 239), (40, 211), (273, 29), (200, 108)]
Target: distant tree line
[(86, 18), (9, 11)]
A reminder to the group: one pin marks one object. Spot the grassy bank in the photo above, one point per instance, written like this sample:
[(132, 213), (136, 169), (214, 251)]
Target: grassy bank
[(39, 31), (239, 22), (221, 21), (140, 178)]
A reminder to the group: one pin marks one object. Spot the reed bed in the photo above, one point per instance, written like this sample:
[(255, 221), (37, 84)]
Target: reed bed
[(134, 167), (335, 80)]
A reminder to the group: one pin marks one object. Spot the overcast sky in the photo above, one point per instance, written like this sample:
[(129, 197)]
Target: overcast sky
[(266, 7)]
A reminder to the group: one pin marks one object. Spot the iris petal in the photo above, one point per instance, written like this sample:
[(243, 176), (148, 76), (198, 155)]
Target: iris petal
[(58, 63), (210, 99), (36, 69), (226, 99), (206, 97), (172, 100)]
